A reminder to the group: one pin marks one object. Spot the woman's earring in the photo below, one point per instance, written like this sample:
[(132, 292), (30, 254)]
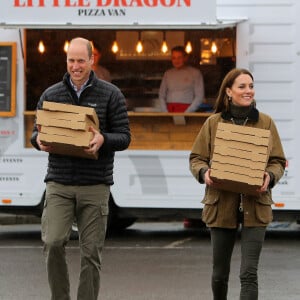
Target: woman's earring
[(229, 98)]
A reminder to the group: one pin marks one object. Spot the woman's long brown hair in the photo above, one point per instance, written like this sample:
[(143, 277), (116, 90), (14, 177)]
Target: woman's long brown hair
[(222, 102)]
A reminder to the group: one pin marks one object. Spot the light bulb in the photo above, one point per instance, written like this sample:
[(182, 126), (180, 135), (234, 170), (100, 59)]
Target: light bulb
[(164, 47), (188, 47), (41, 47), (115, 47), (214, 48), (66, 46), (139, 47)]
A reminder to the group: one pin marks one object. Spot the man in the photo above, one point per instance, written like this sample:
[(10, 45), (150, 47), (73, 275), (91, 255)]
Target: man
[(100, 71), (182, 87), (78, 187)]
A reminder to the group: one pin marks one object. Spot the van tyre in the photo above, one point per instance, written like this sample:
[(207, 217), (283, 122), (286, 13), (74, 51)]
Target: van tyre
[(116, 223)]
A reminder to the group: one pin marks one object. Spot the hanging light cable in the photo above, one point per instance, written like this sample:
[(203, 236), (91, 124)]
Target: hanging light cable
[(164, 46), (115, 46)]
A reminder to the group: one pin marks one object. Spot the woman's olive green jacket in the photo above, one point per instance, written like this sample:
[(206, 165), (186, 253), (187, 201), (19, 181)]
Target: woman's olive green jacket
[(221, 207)]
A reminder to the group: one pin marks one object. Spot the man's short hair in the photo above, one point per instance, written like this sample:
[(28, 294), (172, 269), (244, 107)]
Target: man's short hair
[(179, 49)]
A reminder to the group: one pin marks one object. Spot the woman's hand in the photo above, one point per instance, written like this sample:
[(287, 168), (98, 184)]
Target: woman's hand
[(266, 182), (207, 178)]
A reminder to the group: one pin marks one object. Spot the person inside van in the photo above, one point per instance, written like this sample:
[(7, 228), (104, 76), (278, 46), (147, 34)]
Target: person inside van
[(182, 87), (101, 72)]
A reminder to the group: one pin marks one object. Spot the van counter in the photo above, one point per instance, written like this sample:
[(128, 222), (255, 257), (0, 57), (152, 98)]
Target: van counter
[(152, 130), (164, 131)]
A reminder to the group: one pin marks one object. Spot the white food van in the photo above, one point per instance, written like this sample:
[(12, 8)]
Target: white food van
[(152, 183)]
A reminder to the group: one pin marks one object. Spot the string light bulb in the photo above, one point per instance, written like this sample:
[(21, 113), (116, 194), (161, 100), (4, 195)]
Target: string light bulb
[(139, 45), (66, 46), (41, 47), (115, 47), (214, 47), (164, 46), (188, 47)]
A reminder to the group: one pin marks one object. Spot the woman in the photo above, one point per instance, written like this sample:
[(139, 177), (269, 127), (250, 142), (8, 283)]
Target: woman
[(224, 212)]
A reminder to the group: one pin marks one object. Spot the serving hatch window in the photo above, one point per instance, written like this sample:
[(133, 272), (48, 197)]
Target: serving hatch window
[(137, 74)]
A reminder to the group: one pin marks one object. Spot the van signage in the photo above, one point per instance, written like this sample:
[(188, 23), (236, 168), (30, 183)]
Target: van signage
[(110, 12), (102, 3)]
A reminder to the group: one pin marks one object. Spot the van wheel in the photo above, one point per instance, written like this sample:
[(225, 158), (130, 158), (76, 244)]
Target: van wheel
[(115, 222)]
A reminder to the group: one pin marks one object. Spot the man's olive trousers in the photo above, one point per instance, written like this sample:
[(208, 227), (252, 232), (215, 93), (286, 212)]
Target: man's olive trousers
[(64, 204)]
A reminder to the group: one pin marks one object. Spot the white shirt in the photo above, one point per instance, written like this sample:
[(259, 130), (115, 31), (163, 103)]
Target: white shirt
[(184, 85)]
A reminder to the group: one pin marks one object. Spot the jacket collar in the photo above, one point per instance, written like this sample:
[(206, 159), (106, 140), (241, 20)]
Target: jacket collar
[(252, 116), (66, 79)]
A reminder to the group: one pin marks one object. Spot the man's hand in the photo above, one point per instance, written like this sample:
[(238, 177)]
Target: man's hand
[(96, 142), (41, 145)]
